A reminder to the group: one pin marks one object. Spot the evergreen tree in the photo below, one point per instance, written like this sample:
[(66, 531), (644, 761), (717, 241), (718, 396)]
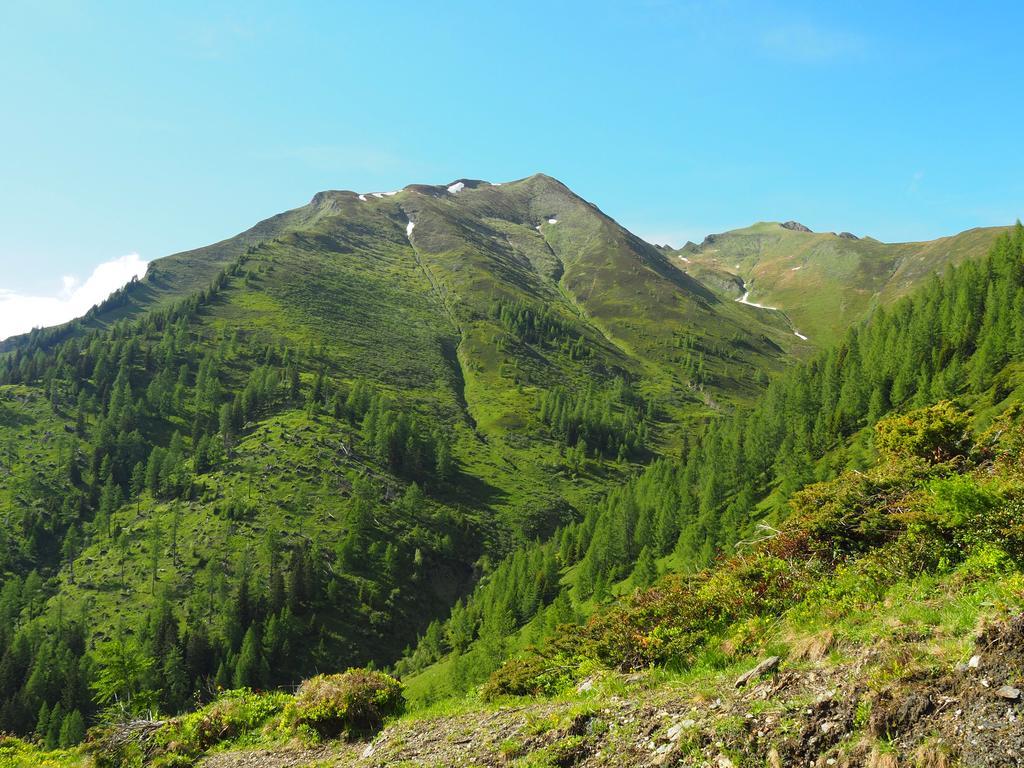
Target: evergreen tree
[(251, 668), (646, 571), (72, 730), (52, 739)]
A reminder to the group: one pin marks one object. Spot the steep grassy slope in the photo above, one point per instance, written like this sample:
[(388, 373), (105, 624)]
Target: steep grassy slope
[(823, 282), (296, 447), (301, 462), (880, 626), (961, 336)]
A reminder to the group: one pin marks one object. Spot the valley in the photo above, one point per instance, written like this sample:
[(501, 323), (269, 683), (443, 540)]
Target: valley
[(485, 438)]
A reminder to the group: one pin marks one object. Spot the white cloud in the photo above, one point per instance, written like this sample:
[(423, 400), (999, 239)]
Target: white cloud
[(20, 313)]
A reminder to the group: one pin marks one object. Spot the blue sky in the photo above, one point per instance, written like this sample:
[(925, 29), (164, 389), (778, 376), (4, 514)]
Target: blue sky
[(146, 128)]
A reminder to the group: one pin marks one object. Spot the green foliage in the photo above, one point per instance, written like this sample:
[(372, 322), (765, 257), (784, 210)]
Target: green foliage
[(232, 716), (740, 466), (936, 434), (529, 674), (538, 325), (16, 753), (849, 542), (305, 445), (122, 670), (354, 702), (608, 421)]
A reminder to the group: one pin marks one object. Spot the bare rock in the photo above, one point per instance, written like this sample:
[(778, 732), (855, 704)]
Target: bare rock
[(796, 226), (676, 730), (1008, 692)]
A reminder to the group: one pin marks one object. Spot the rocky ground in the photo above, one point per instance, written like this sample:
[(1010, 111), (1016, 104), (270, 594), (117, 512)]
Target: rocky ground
[(878, 709)]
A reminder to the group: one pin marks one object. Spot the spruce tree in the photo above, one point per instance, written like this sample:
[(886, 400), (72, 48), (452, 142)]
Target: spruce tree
[(72, 730)]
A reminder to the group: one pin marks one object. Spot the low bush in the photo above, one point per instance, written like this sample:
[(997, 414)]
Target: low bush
[(233, 715), (354, 702), (938, 433), (529, 675), (16, 753)]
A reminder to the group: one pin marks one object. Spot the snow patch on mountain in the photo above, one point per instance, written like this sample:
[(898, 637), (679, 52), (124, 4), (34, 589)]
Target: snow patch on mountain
[(743, 300)]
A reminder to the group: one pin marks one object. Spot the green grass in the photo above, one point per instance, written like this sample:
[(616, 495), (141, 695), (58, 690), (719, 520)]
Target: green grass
[(16, 753), (822, 282), (340, 281)]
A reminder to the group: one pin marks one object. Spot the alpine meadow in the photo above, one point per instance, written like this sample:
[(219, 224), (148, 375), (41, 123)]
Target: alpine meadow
[(642, 465)]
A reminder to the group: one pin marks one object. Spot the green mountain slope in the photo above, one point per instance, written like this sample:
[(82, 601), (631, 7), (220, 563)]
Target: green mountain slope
[(296, 447), (844, 562), (823, 282), (959, 337)]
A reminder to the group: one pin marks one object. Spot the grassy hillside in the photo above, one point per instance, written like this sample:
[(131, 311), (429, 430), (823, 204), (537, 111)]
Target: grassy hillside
[(823, 281), (421, 429), (299, 446), (879, 626), (959, 337)]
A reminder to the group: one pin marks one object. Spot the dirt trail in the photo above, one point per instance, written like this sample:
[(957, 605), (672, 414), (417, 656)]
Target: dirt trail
[(804, 712)]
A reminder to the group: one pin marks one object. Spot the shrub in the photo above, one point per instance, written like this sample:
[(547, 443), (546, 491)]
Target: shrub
[(15, 753), (961, 502), (232, 715), (936, 434), (529, 675), (354, 702)]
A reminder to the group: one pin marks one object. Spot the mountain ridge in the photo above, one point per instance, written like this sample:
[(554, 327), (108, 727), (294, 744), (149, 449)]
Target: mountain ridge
[(823, 280), (490, 401)]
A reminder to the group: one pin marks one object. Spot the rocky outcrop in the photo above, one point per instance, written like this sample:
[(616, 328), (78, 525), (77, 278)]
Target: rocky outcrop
[(796, 226)]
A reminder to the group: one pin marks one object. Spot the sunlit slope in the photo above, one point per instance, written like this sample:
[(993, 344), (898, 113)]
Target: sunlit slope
[(823, 282)]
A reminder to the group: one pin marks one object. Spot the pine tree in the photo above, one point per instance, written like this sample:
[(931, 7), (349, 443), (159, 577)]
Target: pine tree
[(646, 571), (42, 722), (52, 739), (72, 730), (251, 668), (175, 683)]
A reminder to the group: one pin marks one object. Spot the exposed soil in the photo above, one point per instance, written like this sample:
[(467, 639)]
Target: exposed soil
[(805, 713)]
